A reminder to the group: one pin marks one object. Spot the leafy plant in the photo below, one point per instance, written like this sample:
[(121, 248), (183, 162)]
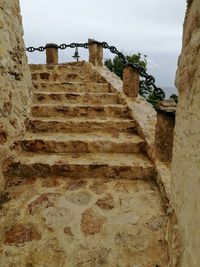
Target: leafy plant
[(174, 97), (115, 65)]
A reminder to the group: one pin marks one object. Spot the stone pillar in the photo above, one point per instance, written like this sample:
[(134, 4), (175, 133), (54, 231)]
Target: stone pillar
[(51, 53), (164, 135), (95, 53), (131, 82)]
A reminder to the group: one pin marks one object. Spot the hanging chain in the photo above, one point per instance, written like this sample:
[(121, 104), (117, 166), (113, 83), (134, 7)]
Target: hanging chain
[(149, 79)]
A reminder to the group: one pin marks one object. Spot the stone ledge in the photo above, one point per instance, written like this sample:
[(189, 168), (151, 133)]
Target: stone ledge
[(146, 117), (167, 107)]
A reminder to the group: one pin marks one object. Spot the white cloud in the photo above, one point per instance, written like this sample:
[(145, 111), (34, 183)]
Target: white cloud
[(152, 27), (152, 65)]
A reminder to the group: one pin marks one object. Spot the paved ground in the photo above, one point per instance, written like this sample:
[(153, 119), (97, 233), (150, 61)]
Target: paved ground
[(61, 223)]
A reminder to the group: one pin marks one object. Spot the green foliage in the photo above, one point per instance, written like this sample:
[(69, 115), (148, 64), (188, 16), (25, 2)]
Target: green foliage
[(174, 97), (115, 65), (153, 99)]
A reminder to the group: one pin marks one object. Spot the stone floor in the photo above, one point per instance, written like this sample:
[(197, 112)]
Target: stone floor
[(80, 128), (63, 223)]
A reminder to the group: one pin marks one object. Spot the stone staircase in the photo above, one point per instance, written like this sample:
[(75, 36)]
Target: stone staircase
[(81, 184), (79, 129)]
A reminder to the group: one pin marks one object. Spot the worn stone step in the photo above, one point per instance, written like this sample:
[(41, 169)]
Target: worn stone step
[(79, 67), (74, 110), (84, 142), (73, 125), (73, 98), (79, 166), (66, 77), (72, 87)]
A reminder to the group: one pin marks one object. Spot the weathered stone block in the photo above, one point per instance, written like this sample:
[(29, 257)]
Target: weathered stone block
[(52, 54), (106, 202), (92, 222), (20, 233), (95, 54), (165, 134), (15, 80), (131, 82)]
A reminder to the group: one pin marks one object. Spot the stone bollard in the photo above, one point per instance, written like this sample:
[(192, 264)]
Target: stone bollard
[(131, 82), (51, 53), (95, 53), (164, 134)]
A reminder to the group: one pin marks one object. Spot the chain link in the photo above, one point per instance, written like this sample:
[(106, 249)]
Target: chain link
[(149, 79)]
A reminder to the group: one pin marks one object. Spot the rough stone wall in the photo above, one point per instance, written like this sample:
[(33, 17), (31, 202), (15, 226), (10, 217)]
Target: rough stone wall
[(15, 80), (186, 154), (164, 136)]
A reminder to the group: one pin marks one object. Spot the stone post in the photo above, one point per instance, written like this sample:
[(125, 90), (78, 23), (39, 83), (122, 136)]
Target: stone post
[(131, 82), (164, 134), (51, 53), (95, 53)]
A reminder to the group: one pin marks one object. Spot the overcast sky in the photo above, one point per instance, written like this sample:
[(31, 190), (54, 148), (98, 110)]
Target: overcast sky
[(152, 27)]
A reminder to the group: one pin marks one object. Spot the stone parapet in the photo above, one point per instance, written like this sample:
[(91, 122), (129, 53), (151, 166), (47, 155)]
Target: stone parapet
[(165, 130)]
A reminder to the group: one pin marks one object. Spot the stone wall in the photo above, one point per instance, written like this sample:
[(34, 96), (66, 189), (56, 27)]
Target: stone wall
[(15, 80), (186, 154)]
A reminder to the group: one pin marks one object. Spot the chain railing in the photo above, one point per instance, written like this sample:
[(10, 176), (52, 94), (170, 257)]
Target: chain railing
[(148, 81)]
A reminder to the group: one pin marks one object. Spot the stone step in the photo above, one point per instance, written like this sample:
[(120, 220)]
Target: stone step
[(79, 166), (77, 67), (74, 110), (74, 125), (64, 67), (76, 98), (66, 77), (84, 142), (72, 87)]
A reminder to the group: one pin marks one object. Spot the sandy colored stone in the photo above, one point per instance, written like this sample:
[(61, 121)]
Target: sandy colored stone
[(81, 198), (51, 54), (120, 232), (44, 201), (138, 241), (88, 112), (98, 187), (50, 182), (68, 231), (75, 185), (48, 254), (106, 202), (81, 165), (165, 135), (4, 198), (157, 222), (57, 216), (120, 187), (127, 218), (95, 53), (92, 222), (145, 117), (186, 156), (15, 79), (3, 135), (92, 256), (20, 233), (131, 82)]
